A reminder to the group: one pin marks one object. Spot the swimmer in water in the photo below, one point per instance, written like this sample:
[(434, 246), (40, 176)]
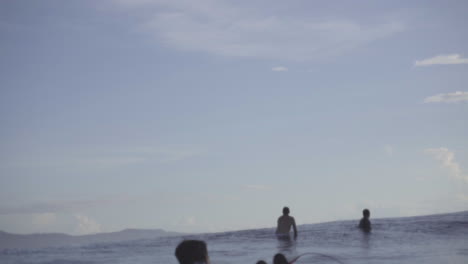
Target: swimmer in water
[(365, 224), (284, 224)]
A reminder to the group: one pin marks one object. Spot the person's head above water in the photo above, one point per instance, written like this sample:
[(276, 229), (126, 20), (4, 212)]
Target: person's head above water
[(261, 262), (285, 210), (280, 259), (366, 213), (192, 251)]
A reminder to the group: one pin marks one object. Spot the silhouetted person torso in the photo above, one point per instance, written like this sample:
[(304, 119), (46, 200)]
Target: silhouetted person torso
[(365, 224), (285, 222)]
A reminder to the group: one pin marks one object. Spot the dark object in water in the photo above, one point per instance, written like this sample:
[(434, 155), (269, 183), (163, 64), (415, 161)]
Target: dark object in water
[(365, 224)]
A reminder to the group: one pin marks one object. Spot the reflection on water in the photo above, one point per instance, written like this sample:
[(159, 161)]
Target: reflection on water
[(365, 240), (286, 245)]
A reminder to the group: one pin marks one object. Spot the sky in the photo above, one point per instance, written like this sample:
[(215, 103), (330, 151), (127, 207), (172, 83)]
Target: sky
[(208, 116)]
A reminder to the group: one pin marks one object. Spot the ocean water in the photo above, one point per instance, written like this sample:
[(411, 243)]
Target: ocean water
[(425, 239)]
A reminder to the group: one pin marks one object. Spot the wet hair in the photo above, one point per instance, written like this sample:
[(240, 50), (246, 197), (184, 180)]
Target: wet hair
[(285, 210), (261, 262), (191, 251), (280, 259), (366, 212)]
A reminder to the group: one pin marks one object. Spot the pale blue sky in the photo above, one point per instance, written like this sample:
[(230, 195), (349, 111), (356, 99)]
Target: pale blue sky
[(213, 116)]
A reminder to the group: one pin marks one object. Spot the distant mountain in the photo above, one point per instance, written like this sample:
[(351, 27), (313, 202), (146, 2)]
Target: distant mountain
[(10, 241)]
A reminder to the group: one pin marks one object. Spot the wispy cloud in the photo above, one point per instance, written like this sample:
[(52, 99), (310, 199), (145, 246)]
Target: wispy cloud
[(110, 161), (190, 221), (44, 219), (442, 60), (123, 157), (42, 209), (86, 225), (447, 160), (448, 98), (257, 187), (106, 158), (223, 28), (186, 223), (279, 69)]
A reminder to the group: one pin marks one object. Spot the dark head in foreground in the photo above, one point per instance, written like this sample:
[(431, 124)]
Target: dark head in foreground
[(192, 251), (365, 224), (261, 262), (285, 210), (280, 259)]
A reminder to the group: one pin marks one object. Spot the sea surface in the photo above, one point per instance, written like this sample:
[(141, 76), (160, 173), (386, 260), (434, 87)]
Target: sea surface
[(424, 239)]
